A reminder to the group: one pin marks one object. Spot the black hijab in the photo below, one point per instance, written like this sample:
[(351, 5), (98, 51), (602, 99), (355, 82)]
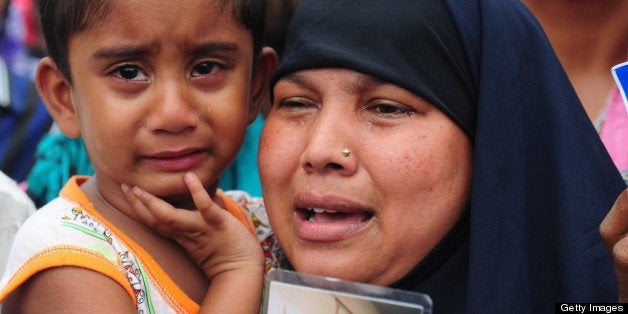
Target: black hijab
[(542, 180)]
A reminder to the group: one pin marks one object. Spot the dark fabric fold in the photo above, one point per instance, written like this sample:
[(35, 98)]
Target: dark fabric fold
[(542, 180)]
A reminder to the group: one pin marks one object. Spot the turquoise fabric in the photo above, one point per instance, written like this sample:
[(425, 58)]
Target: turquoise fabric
[(58, 157), (242, 174)]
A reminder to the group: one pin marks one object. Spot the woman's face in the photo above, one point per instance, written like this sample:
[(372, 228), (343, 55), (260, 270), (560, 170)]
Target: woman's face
[(373, 213)]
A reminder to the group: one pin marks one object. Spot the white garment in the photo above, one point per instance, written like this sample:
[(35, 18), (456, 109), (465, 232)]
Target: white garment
[(15, 207)]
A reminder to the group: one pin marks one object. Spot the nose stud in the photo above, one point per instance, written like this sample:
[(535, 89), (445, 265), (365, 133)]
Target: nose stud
[(346, 152)]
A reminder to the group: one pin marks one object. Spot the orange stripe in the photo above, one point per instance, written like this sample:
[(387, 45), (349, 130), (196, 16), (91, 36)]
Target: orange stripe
[(168, 288), (67, 255), (238, 212)]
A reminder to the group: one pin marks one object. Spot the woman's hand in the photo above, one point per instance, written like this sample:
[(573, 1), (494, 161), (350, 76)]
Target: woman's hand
[(614, 231)]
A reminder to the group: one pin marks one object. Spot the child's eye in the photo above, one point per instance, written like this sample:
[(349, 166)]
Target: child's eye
[(130, 72), (206, 68)]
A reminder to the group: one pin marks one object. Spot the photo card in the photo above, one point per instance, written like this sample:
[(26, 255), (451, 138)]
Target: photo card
[(289, 292), (620, 74)]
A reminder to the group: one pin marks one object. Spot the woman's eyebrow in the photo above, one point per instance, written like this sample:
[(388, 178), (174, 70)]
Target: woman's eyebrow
[(296, 78), (363, 82), (368, 81)]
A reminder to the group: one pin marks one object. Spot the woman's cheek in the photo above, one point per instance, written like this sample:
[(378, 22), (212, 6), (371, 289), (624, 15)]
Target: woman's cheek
[(275, 152)]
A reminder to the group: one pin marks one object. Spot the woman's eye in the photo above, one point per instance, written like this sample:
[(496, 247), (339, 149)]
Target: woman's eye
[(295, 103), (130, 72), (391, 110), (205, 68)]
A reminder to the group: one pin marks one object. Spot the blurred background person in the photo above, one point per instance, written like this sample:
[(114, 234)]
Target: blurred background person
[(15, 207), (23, 117), (590, 37)]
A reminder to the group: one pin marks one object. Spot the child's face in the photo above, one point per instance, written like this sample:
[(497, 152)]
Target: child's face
[(162, 88), (380, 208)]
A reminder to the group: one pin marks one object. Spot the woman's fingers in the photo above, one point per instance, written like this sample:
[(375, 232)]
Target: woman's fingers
[(615, 224), (614, 231)]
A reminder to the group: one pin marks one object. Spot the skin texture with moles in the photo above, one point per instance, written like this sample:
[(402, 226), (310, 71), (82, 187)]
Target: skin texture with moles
[(404, 185)]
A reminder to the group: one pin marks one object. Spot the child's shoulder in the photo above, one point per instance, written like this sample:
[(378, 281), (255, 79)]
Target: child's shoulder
[(59, 225), (45, 221), (63, 233)]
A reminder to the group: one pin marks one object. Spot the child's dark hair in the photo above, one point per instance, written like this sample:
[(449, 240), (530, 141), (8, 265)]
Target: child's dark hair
[(62, 19)]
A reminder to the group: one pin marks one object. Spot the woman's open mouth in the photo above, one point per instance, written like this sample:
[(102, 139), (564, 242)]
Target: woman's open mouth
[(326, 225), (326, 215)]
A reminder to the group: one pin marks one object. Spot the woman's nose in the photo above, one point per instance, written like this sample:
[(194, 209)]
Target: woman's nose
[(329, 148)]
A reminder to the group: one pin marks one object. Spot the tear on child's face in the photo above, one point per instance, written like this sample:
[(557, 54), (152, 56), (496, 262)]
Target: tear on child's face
[(162, 88)]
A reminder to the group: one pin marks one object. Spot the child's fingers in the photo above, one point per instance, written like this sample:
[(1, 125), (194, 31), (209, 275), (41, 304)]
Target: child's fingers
[(140, 209), (212, 213), (158, 214)]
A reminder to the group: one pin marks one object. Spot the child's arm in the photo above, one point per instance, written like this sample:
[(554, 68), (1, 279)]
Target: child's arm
[(69, 290), (226, 251), (614, 230)]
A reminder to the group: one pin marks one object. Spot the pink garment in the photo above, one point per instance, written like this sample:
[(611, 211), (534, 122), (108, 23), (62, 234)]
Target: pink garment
[(614, 131)]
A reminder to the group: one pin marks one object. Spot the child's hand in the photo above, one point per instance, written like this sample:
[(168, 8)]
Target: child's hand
[(215, 239), (614, 230)]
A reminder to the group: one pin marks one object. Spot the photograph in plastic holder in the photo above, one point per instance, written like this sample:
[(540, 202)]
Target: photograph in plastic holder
[(292, 293)]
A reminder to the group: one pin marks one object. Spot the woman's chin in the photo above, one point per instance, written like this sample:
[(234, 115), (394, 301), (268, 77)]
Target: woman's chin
[(333, 270)]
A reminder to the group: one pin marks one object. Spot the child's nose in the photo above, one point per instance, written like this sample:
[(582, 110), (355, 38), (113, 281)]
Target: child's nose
[(173, 110)]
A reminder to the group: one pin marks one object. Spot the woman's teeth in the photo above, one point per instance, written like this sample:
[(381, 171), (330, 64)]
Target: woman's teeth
[(320, 210), (322, 215), (314, 211)]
